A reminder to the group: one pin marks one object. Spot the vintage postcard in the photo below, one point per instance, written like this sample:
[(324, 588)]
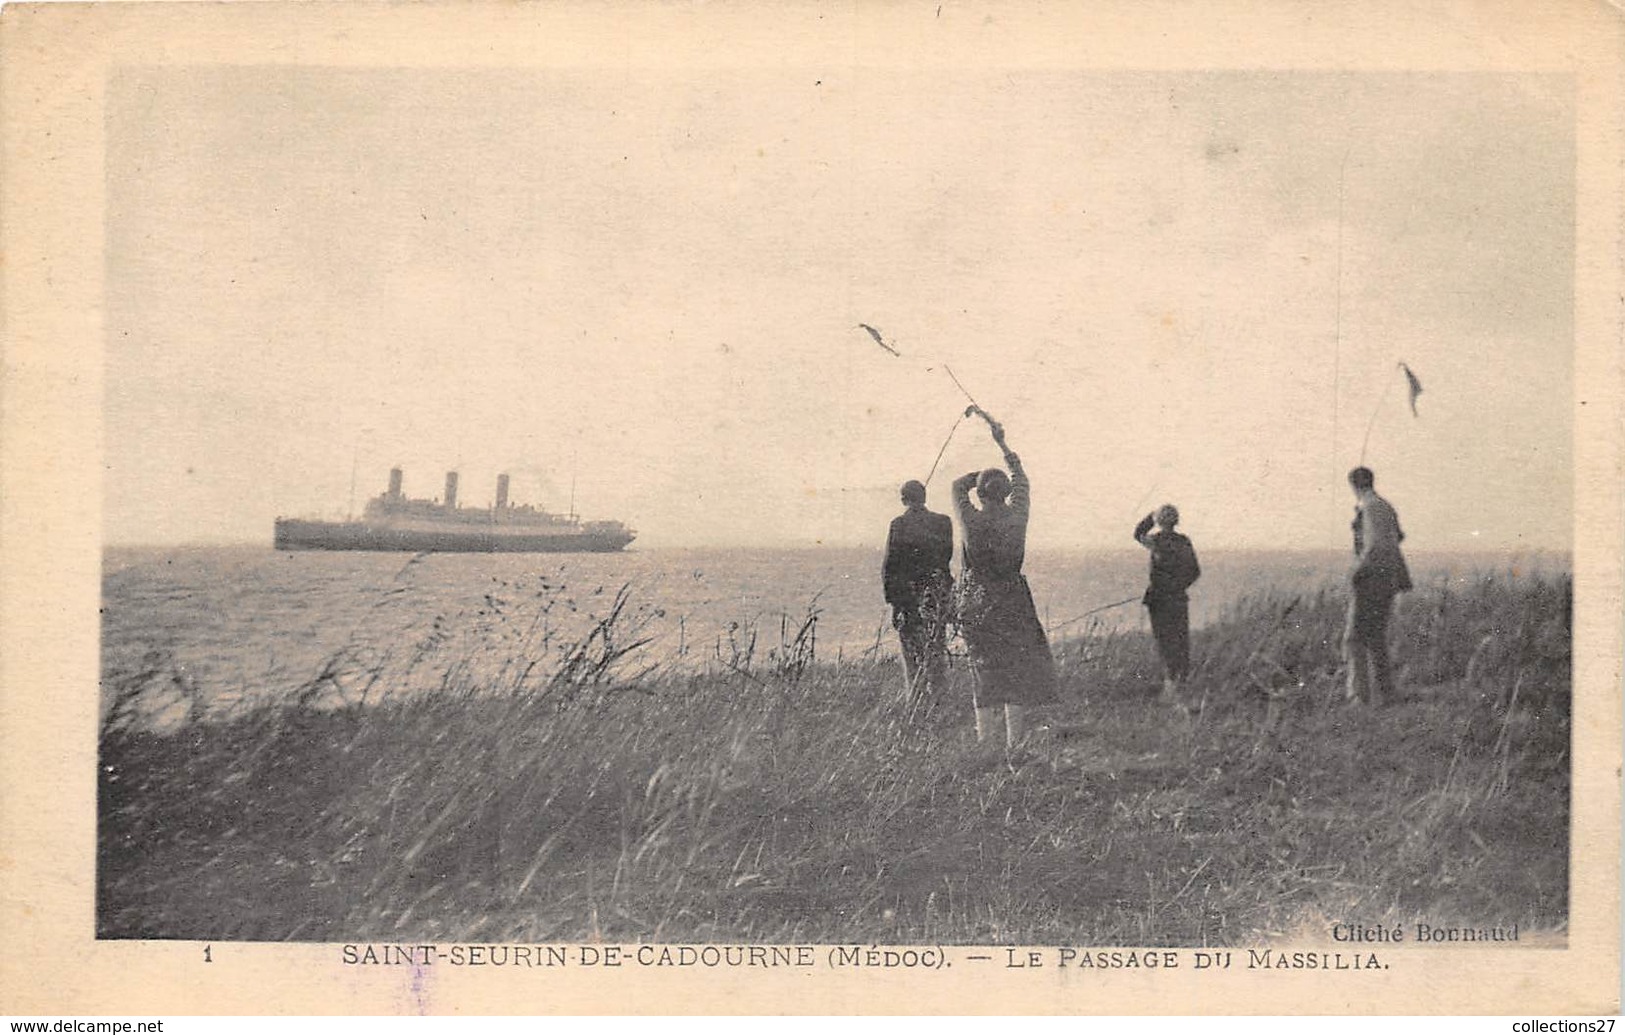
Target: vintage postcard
[(802, 508)]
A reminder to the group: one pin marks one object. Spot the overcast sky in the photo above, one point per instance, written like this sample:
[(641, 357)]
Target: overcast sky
[(651, 284)]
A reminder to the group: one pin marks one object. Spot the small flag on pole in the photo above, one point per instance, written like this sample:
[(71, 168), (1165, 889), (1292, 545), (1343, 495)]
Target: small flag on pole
[(1414, 384)]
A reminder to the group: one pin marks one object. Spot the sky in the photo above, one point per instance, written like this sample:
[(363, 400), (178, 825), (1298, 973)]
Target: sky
[(645, 286)]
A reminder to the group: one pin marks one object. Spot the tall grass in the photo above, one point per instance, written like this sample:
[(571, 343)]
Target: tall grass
[(543, 788)]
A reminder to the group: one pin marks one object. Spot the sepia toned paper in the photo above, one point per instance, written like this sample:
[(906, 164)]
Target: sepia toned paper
[(717, 384)]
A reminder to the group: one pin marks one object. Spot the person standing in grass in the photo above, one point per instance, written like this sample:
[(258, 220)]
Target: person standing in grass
[(919, 588), (1378, 576), (1173, 569), (1009, 652)]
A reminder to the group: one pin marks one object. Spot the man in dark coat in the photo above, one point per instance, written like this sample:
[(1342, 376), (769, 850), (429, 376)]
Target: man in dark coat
[(1379, 575), (919, 589), (1173, 569)]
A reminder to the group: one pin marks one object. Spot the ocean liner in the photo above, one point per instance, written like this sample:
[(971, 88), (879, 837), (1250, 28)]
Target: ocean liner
[(391, 521)]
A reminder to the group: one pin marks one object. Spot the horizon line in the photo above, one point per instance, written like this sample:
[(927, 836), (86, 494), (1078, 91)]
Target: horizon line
[(869, 547)]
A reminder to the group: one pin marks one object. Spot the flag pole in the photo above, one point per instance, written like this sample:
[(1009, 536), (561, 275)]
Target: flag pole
[(961, 387), (943, 450), (1381, 398), (1413, 385), (880, 340)]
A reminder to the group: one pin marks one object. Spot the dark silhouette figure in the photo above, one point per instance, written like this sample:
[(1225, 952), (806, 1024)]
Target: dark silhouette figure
[(919, 588), (1379, 575), (1173, 569), (1008, 649)]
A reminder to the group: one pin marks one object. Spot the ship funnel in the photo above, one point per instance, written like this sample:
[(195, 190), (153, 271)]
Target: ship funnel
[(451, 489), (502, 491), (395, 482)]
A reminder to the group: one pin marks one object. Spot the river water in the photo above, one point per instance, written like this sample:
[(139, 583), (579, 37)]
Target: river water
[(242, 622)]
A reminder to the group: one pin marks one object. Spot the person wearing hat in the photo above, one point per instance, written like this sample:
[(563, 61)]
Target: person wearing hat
[(1379, 575), (1173, 569), (919, 588), (1009, 652)]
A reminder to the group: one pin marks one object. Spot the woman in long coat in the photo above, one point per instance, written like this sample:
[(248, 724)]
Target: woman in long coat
[(1008, 649)]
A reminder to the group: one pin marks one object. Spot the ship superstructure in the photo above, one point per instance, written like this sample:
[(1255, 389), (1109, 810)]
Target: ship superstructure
[(394, 521)]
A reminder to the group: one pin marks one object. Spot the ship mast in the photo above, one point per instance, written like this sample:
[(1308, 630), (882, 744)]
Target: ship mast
[(573, 453)]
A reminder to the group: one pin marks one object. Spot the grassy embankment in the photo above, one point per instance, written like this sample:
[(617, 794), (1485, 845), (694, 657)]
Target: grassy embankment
[(559, 792)]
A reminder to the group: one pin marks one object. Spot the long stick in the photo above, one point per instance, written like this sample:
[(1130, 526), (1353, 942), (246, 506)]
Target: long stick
[(1382, 398), (1337, 339), (1141, 502), (875, 334), (943, 450), (1094, 610), (961, 387)]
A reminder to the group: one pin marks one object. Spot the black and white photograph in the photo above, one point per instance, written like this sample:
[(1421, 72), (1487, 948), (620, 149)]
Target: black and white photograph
[(732, 506)]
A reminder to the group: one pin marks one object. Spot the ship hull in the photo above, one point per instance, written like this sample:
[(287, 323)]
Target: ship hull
[(295, 534)]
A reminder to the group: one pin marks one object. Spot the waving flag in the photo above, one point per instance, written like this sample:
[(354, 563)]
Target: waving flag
[(879, 340), (1415, 386)]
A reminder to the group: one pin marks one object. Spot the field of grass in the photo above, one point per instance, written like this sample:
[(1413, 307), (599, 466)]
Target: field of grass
[(562, 792)]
